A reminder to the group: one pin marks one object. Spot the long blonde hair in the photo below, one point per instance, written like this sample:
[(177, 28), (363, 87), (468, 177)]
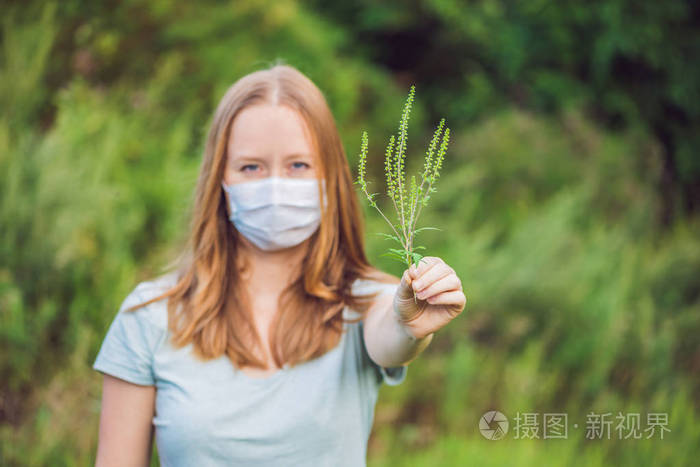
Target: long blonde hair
[(208, 305)]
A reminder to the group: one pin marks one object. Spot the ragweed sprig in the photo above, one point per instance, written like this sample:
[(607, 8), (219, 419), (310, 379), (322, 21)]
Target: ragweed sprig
[(407, 196)]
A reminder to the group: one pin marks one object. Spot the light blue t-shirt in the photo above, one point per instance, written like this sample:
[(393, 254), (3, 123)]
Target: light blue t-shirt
[(318, 413)]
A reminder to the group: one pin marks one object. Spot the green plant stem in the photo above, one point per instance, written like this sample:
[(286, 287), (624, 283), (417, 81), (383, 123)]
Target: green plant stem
[(415, 299), (374, 204)]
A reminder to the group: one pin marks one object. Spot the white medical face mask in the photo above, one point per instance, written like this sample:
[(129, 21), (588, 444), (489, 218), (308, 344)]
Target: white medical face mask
[(275, 212)]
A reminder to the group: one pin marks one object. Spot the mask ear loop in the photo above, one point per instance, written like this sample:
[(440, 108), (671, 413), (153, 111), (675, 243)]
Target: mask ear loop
[(325, 197), (232, 206)]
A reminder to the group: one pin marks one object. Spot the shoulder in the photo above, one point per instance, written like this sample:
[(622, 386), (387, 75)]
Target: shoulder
[(378, 282), (134, 336), (155, 313), (374, 285)]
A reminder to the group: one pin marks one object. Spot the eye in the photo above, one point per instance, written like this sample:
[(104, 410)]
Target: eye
[(248, 165), (299, 162)]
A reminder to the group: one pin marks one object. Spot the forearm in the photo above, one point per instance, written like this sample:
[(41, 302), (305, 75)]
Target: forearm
[(388, 342)]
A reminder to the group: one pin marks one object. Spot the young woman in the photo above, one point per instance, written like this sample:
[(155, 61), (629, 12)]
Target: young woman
[(269, 342)]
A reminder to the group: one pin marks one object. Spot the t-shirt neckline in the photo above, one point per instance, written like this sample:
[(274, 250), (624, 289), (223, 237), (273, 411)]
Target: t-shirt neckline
[(264, 379), (286, 369)]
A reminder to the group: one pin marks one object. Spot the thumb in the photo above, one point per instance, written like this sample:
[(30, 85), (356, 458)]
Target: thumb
[(405, 290)]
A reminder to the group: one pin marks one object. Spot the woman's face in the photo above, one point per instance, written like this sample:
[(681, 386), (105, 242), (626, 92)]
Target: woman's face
[(268, 140)]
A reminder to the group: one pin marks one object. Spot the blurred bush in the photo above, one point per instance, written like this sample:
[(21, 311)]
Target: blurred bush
[(627, 62), (572, 151)]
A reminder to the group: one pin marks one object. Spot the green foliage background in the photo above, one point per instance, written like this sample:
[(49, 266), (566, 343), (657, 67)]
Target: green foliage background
[(568, 202)]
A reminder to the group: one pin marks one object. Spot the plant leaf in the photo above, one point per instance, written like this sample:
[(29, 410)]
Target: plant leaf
[(389, 237), (426, 228), (401, 259), (393, 255), (398, 252)]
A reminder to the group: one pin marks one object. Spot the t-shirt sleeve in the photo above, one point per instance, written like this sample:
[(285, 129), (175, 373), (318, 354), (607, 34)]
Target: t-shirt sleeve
[(127, 349), (391, 376)]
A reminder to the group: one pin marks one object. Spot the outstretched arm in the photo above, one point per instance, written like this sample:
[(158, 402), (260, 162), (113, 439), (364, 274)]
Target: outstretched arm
[(389, 343), (397, 329)]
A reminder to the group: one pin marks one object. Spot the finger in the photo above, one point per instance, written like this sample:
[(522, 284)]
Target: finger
[(454, 298), (435, 273), (425, 263), (448, 283)]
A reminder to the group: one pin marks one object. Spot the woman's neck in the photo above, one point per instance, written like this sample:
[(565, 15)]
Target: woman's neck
[(269, 272)]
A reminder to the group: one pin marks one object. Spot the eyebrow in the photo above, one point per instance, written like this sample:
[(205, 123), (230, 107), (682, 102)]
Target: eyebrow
[(288, 156)]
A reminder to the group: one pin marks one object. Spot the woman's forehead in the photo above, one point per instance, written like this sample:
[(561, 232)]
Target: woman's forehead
[(268, 130)]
